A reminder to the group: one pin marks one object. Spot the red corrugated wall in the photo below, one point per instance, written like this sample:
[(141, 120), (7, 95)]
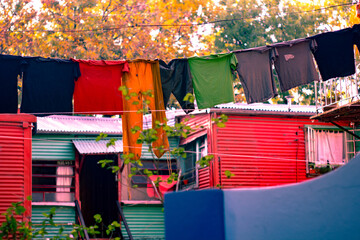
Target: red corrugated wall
[(15, 161), (261, 150), (204, 178)]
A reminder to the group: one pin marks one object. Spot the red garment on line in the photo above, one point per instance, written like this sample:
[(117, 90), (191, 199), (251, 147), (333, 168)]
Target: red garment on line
[(97, 90)]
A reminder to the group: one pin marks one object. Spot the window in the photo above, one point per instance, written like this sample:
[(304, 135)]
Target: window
[(195, 150), (329, 147), (53, 181), (160, 167)]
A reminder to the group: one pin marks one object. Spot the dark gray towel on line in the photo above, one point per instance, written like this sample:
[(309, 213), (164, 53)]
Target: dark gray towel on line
[(176, 79), (255, 72), (294, 64)]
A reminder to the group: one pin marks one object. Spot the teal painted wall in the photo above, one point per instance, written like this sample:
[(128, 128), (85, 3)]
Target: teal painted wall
[(53, 147), (64, 216), (145, 221)]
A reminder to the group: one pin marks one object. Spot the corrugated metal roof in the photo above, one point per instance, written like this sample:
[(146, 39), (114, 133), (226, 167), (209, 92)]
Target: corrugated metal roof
[(93, 147), (77, 124), (90, 125), (268, 107)]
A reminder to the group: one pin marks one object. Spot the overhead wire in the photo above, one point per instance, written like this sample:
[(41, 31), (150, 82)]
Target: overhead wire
[(256, 156)]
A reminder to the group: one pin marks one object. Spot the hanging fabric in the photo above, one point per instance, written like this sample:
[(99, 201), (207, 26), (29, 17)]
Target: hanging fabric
[(143, 76), (163, 188), (176, 79), (97, 90), (10, 67), (330, 148), (213, 79), (48, 85), (63, 182), (334, 53), (294, 63), (255, 72)]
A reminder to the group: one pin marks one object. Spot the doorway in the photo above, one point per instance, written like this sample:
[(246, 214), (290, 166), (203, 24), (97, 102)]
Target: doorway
[(98, 192)]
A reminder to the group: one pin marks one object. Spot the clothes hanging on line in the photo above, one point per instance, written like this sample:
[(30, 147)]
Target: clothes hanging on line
[(213, 79), (294, 63), (10, 68), (97, 89), (255, 73), (143, 77), (334, 53), (176, 79), (48, 85)]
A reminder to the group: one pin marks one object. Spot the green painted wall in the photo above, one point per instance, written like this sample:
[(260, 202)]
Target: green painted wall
[(145, 221), (64, 216)]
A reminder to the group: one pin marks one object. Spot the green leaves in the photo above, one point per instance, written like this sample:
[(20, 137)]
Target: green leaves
[(124, 90), (135, 129), (178, 152), (220, 121), (101, 137), (111, 142), (105, 162), (228, 174), (189, 97), (97, 218), (205, 161)]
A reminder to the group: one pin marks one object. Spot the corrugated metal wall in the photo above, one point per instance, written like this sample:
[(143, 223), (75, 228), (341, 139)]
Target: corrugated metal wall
[(204, 178), (60, 147), (15, 164), (261, 151), (145, 221), (145, 154), (53, 147), (64, 216)]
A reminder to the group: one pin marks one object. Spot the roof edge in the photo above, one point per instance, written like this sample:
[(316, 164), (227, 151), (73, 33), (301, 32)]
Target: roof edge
[(261, 112)]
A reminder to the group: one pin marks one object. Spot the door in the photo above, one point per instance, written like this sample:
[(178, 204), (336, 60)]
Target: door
[(98, 192)]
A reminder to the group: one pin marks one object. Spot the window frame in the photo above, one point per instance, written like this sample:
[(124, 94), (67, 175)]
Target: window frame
[(51, 188), (310, 152)]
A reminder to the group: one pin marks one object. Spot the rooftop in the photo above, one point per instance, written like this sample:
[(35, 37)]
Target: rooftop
[(64, 124), (260, 107)]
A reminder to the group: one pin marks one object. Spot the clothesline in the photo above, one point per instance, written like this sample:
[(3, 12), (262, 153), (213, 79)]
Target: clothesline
[(51, 85), (293, 69)]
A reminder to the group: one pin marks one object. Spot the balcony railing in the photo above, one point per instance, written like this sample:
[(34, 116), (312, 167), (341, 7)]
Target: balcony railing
[(336, 92)]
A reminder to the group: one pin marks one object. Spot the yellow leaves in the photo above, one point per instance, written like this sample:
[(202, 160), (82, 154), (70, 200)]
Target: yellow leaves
[(72, 22)]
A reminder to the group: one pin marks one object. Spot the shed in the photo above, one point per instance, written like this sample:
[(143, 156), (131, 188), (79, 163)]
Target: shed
[(260, 145), (15, 161), (65, 166)]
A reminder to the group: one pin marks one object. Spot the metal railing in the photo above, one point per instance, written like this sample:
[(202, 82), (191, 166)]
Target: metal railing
[(122, 216), (336, 92), (81, 219)]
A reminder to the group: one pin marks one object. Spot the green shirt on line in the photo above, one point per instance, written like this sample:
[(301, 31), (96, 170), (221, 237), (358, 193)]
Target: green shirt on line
[(213, 79)]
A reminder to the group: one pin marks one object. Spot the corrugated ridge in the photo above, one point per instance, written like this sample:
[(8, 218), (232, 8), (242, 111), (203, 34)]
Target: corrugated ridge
[(12, 168), (204, 178), (262, 151), (64, 216), (145, 222)]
